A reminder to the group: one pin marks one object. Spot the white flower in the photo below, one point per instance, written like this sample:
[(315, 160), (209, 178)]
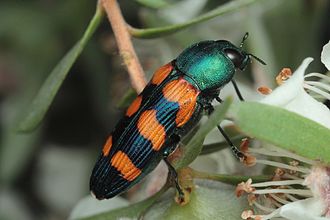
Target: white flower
[(300, 188), (292, 94), (294, 192)]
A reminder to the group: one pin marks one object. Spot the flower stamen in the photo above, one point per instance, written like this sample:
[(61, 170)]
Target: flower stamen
[(279, 199), (277, 152), (284, 75), (284, 166), (302, 192), (292, 198), (278, 183), (317, 91), (263, 208), (322, 76), (265, 90), (319, 84)]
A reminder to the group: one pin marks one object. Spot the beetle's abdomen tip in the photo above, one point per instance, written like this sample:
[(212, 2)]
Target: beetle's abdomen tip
[(97, 196)]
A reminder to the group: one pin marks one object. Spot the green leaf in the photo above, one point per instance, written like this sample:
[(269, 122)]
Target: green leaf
[(283, 128), (47, 92), (161, 31), (194, 146), (153, 3), (131, 211), (205, 203)]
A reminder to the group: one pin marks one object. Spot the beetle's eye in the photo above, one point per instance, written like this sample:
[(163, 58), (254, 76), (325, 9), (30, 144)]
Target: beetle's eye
[(235, 57)]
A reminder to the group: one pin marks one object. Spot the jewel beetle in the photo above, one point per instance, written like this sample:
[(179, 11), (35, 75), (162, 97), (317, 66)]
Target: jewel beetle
[(169, 106)]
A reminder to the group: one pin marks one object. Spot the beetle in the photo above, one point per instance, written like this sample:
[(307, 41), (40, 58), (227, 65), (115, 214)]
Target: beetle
[(170, 105)]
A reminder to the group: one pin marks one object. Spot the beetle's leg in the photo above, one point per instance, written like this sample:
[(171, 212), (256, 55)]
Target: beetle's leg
[(218, 99), (237, 153), (173, 174), (237, 90), (172, 144)]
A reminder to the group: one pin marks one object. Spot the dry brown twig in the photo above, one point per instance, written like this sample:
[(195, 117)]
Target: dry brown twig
[(124, 43)]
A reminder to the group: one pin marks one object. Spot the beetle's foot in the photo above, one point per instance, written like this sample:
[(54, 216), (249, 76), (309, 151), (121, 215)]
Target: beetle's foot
[(182, 196), (241, 156)]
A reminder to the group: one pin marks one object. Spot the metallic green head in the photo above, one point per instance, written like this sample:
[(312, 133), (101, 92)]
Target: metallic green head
[(211, 64)]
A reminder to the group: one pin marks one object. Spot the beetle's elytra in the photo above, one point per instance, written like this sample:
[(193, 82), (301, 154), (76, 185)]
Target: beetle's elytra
[(168, 107)]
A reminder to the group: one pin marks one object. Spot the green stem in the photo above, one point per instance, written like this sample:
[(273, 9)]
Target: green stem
[(93, 25), (161, 31), (230, 179)]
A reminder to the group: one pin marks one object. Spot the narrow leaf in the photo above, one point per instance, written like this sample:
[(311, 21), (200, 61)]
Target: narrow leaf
[(40, 104), (153, 3), (161, 31), (283, 128), (194, 146)]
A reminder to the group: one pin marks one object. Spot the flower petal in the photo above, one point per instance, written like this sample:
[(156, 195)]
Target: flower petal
[(311, 208), (288, 91), (292, 96), (325, 55), (305, 105)]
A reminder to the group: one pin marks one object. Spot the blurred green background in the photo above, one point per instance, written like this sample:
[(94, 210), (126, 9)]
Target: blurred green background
[(44, 173)]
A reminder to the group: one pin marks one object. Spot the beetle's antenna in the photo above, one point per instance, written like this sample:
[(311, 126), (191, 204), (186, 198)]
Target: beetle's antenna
[(246, 35), (257, 59)]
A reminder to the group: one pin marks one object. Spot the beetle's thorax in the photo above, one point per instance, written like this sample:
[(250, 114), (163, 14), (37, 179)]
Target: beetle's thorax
[(208, 65)]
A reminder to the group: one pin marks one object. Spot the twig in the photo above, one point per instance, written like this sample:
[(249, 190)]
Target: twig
[(124, 43)]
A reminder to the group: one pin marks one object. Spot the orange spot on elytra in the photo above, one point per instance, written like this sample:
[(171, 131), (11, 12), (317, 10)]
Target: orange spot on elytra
[(161, 74), (134, 106), (125, 166), (151, 129), (185, 95), (107, 147)]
